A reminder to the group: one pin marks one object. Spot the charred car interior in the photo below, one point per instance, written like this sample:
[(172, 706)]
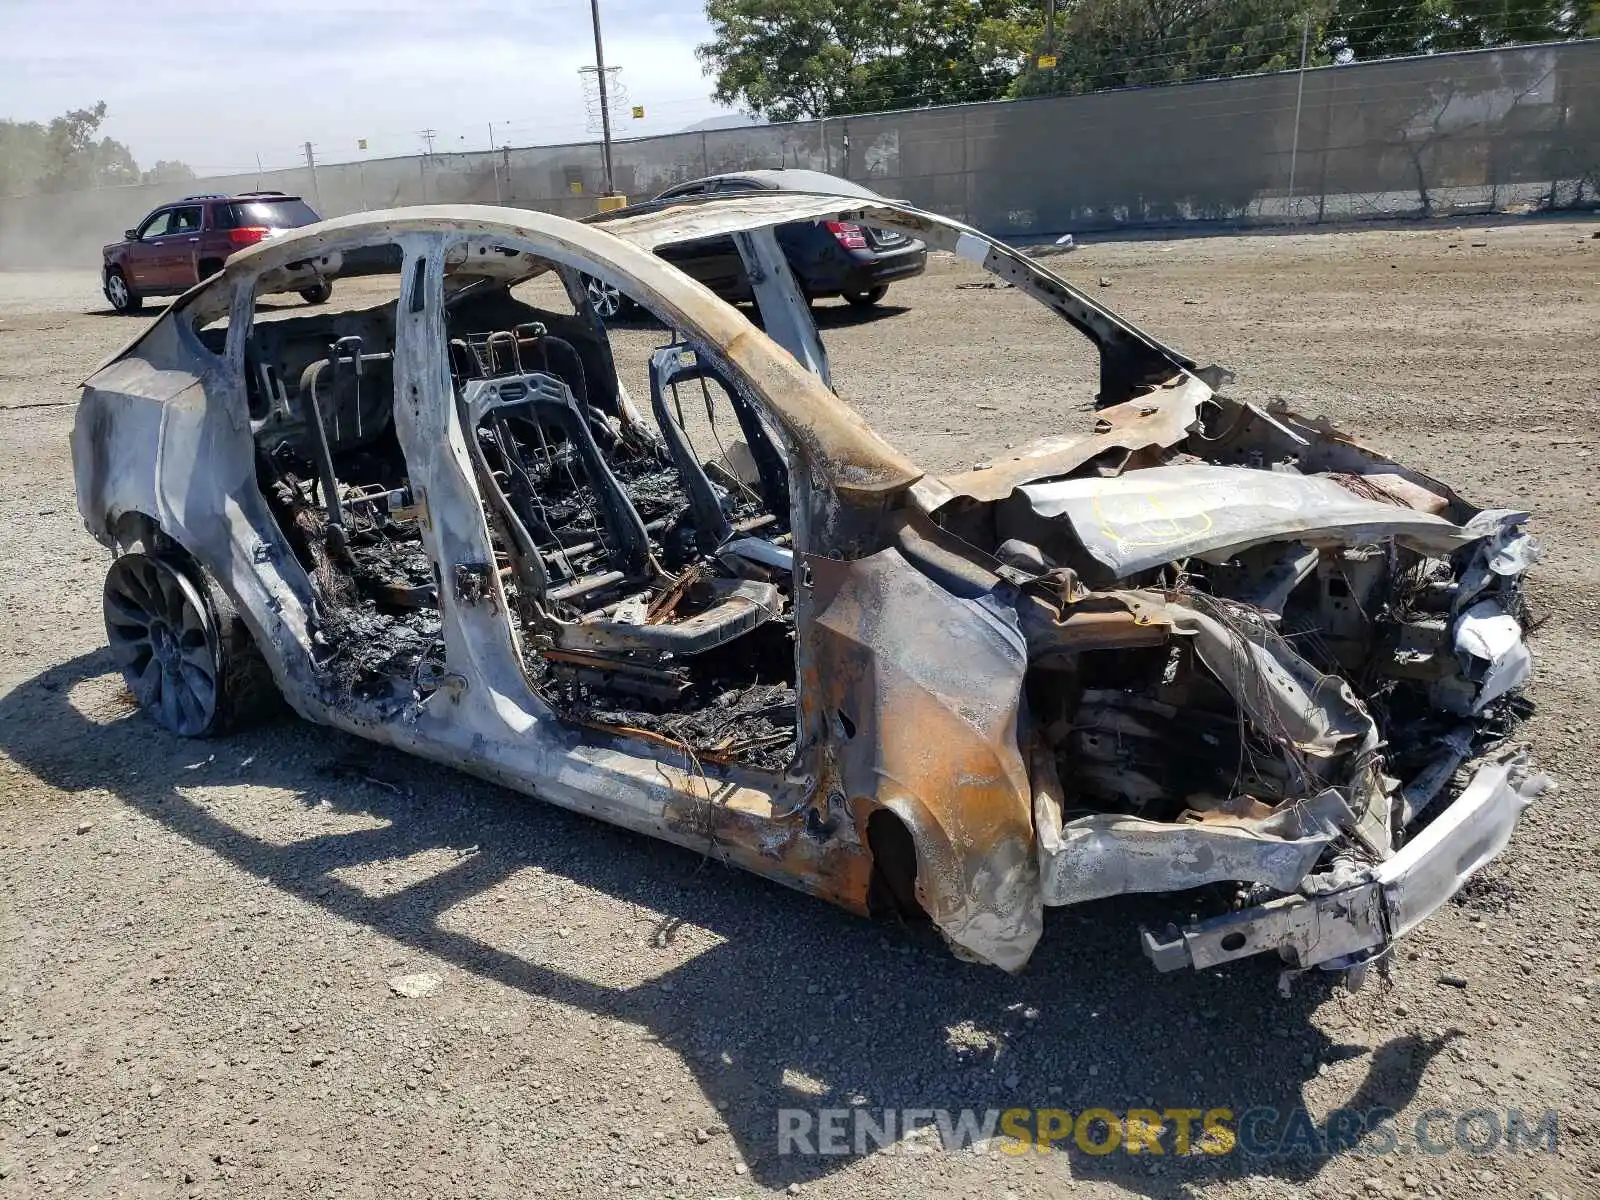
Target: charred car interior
[(649, 584), (1198, 643)]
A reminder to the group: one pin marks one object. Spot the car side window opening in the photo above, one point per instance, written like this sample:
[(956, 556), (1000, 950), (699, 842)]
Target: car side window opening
[(643, 552), (157, 225), (319, 389), (186, 220), (682, 190)]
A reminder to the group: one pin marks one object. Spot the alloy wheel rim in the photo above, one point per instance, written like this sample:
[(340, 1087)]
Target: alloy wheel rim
[(605, 298), (163, 640), (117, 290)]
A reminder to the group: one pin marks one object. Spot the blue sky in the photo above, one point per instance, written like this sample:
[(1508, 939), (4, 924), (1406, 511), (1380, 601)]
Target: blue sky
[(216, 84)]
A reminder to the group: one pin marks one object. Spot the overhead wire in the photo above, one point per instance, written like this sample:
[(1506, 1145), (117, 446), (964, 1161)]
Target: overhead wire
[(1150, 70)]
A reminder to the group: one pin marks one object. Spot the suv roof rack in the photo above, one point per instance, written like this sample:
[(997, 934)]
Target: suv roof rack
[(204, 196), (263, 193)]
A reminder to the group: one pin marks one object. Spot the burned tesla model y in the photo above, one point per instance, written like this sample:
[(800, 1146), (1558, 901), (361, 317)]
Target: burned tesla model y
[(1196, 643)]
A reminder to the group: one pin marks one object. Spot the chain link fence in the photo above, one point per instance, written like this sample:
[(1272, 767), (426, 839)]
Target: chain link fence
[(1503, 130)]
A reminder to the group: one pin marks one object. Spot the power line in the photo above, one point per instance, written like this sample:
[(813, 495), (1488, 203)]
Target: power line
[(933, 90), (1152, 68)]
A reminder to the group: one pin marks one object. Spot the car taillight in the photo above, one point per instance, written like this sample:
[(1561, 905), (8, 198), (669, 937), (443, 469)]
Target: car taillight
[(248, 236), (848, 233)]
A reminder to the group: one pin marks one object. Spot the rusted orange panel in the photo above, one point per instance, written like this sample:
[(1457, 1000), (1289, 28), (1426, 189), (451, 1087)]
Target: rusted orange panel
[(1150, 423), (793, 849), (919, 693)]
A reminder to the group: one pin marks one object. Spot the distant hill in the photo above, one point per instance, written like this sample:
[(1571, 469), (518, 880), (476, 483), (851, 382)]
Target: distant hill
[(727, 121)]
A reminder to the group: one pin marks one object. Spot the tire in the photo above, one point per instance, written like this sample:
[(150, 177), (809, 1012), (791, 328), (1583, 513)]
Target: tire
[(867, 298), (320, 294), (185, 654), (608, 303), (123, 298)]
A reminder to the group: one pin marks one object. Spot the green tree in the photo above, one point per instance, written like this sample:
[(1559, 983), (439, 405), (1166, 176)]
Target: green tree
[(790, 59), (66, 155), (22, 156), (70, 149), (1365, 30), (1128, 43), (167, 171)]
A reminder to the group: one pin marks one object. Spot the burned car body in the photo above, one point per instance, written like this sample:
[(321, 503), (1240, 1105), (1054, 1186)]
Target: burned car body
[(1199, 643)]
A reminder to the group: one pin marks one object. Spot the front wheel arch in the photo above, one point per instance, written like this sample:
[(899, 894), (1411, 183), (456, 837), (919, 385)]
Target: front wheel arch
[(115, 278), (892, 890)]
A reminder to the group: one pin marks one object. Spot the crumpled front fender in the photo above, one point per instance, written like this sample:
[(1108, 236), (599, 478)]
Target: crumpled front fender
[(917, 695)]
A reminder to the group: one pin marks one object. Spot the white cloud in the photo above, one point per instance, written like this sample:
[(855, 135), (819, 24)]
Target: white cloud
[(217, 85)]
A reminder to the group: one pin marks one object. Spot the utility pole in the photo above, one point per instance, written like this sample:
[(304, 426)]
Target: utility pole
[(1299, 96), (427, 136), (1046, 60), (494, 166), (311, 166), (605, 103)]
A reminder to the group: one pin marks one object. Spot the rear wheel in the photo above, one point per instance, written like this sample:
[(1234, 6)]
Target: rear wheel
[(185, 654), (320, 294), (867, 298), (122, 296)]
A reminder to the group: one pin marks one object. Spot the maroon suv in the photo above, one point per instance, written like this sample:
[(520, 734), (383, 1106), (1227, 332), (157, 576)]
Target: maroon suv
[(181, 243)]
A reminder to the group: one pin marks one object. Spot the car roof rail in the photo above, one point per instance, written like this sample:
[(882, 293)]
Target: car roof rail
[(205, 196), (263, 193)]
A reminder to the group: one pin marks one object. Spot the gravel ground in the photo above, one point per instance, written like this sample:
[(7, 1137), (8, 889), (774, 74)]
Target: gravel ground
[(197, 939)]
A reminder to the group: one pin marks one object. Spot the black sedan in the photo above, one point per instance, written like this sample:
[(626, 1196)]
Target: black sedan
[(828, 258)]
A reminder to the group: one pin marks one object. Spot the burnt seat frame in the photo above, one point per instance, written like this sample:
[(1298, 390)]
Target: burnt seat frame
[(737, 606)]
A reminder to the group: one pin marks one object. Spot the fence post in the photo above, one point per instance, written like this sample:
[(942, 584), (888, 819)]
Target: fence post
[(1299, 98), (1330, 92), (966, 170)]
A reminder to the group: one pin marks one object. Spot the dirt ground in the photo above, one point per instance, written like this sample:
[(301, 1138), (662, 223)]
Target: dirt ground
[(197, 938)]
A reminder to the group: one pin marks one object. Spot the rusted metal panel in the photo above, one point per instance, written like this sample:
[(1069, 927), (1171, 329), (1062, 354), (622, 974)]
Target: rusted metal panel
[(918, 694)]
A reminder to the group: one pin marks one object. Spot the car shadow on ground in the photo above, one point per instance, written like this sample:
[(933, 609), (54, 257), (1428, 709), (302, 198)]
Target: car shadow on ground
[(800, 1006), (839, 315)]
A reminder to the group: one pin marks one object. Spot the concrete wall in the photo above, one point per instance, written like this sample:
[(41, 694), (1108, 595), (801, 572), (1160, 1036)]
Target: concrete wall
[(1484, 129)]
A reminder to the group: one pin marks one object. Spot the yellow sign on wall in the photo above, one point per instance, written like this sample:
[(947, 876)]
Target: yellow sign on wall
[(638, 112), (361, 143)]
